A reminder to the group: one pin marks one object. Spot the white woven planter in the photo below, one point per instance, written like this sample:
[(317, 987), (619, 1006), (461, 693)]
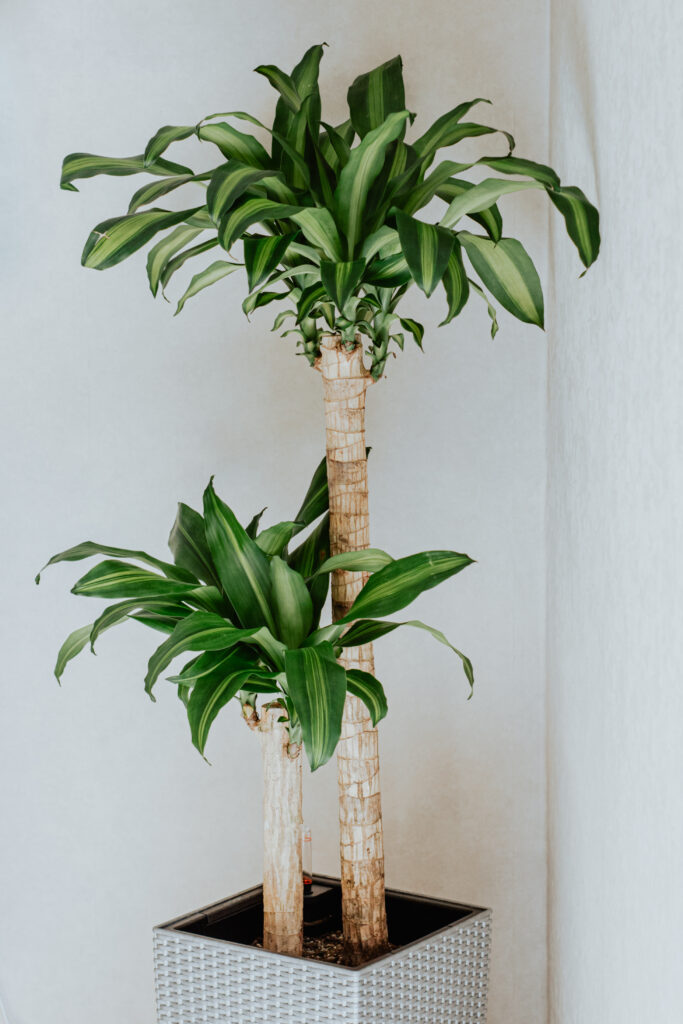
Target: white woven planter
[(441, 978)]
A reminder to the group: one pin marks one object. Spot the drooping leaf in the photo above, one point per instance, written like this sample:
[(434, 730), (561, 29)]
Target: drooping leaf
[(341, 280), (391, 272), (356, 178), (89, 548), (517, 165), (306, 559), (426, 189), (253, 211), (445, 131), (310, 297), (160, 254), (113, 579), (123, 610), (228, 183), (156, 189), (370, 691), (414, 328), (241, 565), (174, 265), (582, 221), (400, 582), (261, 298), (316, 685), (455, 284), (235, 145), (292, 604), (86, 165), (316, 500), (490, 219), (366, 560), (115, 239), (482, 196), (317, 225), (215, 272), (427, 249), (273, 540), (283, 83), (163, 138), (375, 95), (73, 645), (263, 255), (213, 689), (188, 544), (490, 309), (508, 272)]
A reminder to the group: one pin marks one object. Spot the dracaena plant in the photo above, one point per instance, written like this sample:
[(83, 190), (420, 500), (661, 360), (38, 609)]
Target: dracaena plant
[(248, 611), (335, 223)]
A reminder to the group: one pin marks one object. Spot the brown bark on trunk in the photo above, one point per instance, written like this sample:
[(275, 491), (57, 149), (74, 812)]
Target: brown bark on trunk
[(283, 893), (345, 381)]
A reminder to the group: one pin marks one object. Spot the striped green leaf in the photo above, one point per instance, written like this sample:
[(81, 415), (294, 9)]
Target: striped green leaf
[(253, 211), (445, 131), (455, 284), (123, 610), (316, 500), (156, 189), (384, 241), (367, 560), (114, 579), (73, 645), (426, 248), (370, 691), (235, 145), (263, 255), (316, 685), (187, 541), (162, 139), (389, 273), (306, 558), (414, 328), (517, 165), (310, 298), (365, 163), (117, 238), (87, 165), (375, 95), (341, 280), (213, 689), (582, 221), (365, 631), (490, 219), (283, 83), (276, 538), (174, 264), (482, 196), (490, 309), (259, 299), (241, 565), (290, 126), (509, 274), (334, 146), (215, 272), (160, 254), (400, 582), (228, 183), (89, 548), (292, 604), (426, 189), (200, 631), (318, 227)]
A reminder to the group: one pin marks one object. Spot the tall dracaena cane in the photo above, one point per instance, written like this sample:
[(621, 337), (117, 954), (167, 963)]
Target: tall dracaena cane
[(247, 610), (327, 218)]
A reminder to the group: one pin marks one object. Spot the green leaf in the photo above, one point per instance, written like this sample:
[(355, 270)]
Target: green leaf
[(516, 165), (115, 239), (375, 95), (400, 582), (253, 211), (115, 579), (89, 548), (365, 163), (384, 241), (389, 273), (187, 542), (305, 559), (445, 131), (283, 83), (200, 631), (455, 284), (259, 299), (414, 328), (212, 691), (367, 560), (241, 565), (365, 631), (123, 610), (160, 142), (482, 196), (507, 271), (341, 280), (309, 299), (73, 645), (334, 145), (209, 276), (235, 145), (155, 189), (273, 540), (491, 309), (292, 604), (228, 183), (582, 221), (87, 165), (316, 500), (490, 219), (429, 187), (263, 255), (320, 230), (427, 249), (173, 265), (370, 691), (160, 254), (316, 685)]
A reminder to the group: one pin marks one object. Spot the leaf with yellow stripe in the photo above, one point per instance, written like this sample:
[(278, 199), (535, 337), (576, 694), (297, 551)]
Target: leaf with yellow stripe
[(375, 95), (115, 239), (318, 227), (214, 687), (114, 579), (215, 272), (160, 254), (445, 131), (252, 211), (481, 197), (86, 165), (581, 219), (455, 284), (292, 604), (400, 582), (341, 280), (426, 248), (263, 255), (506, 269), (163, 138), (228, 183), (234, 144), (316, 685), (370, 691)]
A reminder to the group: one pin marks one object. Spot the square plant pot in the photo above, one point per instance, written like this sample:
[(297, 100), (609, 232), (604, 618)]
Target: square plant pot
[(208, 970)]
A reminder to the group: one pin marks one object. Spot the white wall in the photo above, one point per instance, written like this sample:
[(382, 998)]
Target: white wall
[(113, 410), (615, 541)]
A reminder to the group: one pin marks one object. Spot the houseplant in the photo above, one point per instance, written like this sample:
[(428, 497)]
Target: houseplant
[(248, 610), (327, 220)]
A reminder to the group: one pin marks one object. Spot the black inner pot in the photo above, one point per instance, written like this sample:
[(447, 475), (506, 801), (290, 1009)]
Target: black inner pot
[(240, 918)]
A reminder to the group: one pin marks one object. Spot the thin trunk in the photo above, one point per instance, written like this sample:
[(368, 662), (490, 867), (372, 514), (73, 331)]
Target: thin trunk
[(345, 381), (283, 893)]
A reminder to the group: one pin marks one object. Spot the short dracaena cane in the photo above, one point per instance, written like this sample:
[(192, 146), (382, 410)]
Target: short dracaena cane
[(247, 610), (326, 218)]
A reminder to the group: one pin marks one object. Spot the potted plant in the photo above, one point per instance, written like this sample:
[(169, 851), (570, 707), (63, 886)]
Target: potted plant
[(247, 611), (327, 218)]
